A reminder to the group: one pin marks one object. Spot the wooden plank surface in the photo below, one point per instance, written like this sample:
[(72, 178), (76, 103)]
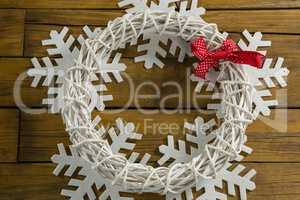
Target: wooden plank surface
[(11, 68), (9, 127), (36, 33), (278, 181), (27, 141), (104, 4), (173, 73), (136, 74), (40, 134), (11, 32), (271, 21), (268, 21), (8, 3)]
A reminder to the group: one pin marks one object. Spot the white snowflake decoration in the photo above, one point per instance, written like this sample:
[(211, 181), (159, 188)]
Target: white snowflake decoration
[(92, 178), (153, 48), (258, 77), (120, 142), (199, 136), (231, 177), (53, 73), (200, 139)]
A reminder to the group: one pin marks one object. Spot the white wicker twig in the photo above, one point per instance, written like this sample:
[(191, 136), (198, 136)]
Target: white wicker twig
[(91, 143)]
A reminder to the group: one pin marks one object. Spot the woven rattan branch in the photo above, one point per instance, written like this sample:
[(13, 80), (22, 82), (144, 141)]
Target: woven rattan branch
[(91, 143)]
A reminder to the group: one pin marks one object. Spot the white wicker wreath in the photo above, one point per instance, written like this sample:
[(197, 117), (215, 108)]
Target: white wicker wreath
[(91, 143)]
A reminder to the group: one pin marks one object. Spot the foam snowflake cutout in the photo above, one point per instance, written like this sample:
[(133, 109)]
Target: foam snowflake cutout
[(77, 166), (199, 136), (269, 75), (54, 71), (233, 178), (153, 48), (266, 76)]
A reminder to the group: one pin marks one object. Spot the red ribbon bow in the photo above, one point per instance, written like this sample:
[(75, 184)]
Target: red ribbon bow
[(229, 51)]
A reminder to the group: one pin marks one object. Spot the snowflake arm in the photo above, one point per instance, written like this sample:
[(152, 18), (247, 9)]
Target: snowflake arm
[(84, 186), (198, 135), (210, 190), (254, 42), (50, 72), (53, 73), (89, 33), (152, 49), (125, 132), (105, 68), (184, 48), (169, 152), (231, 176), (115, 68), (193, 11), (163, 5), (135, 5), (62, 47), (267, 73)]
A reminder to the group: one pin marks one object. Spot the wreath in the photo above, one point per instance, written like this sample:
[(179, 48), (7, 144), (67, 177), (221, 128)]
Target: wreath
[(76, 100), (91, 143)]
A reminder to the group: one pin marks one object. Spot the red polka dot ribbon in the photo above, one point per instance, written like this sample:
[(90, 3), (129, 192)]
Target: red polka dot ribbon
[(229, 51)]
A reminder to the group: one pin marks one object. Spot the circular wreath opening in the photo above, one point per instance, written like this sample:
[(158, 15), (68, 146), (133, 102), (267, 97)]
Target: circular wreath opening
[(235, 112)]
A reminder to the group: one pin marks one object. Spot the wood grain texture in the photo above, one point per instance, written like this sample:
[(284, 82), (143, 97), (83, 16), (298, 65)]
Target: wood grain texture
[(132, 87), (11, 32), (36, 33), (71, 17), (276, 155), (271, 21), (9, 127), (8, 3), (268, 21), (104, 4), (11, 72), (29, 181), (278, 181), (40, 133), (254, 4), (161, 84)]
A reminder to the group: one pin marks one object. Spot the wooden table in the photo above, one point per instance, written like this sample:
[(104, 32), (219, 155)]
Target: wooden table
[(28, 141)]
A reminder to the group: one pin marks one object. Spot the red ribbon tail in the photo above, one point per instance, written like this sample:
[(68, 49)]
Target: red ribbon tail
[(252, 58)]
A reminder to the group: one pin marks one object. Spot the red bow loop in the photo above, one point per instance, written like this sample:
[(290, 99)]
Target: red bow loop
[(199, 48), (229, 45), (229, 51)]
